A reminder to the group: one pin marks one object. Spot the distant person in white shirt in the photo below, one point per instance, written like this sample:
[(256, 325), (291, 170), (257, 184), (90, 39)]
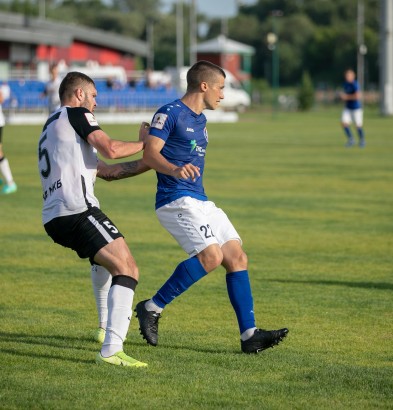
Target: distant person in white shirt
[(51, 90), (8, 184)]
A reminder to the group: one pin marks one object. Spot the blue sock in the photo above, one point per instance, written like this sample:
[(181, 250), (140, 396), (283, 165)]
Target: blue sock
[(361, 133), (240, 295), (186, 274), (348, 132)]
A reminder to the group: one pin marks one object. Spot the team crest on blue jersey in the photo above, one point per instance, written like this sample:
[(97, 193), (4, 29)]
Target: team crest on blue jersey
[(205, 134)]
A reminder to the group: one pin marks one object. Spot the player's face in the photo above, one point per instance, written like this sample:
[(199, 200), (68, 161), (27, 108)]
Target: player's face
[(90, 95), (349, 76), (214, 92), (54, 72)]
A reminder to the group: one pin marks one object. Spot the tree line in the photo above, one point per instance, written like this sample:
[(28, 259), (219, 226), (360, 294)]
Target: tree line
[(317, 36)]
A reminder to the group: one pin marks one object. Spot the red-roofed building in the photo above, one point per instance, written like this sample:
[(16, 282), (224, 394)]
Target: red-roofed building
[(29, 43), (229, 54)]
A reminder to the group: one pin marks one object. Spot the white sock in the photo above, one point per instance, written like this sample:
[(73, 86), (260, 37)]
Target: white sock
[(152, 307), (119, 316), (101, 280), (247, 333), (6, 171)]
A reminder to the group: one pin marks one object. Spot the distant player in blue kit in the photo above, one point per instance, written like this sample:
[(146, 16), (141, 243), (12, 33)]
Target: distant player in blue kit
[(176, 149), (353, 109)]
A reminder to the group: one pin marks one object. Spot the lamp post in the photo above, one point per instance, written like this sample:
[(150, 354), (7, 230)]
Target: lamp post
[(272, 43), (362, 48), (42, 11), (150, 41), (179, 35), (386, 55), (193, 32)]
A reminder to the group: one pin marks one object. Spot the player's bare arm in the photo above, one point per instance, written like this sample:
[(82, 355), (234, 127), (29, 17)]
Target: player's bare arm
[(144, 132), (113, 149), (112, 172), (354, 96), (350, 97), (153, 158)]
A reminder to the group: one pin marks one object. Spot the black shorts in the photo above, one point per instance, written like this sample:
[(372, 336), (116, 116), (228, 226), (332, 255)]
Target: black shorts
[(85, 233)]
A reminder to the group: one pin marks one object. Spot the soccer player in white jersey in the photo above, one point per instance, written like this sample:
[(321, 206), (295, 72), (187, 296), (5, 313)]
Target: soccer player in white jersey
[(68, 166), (176, 149), (9, 185)]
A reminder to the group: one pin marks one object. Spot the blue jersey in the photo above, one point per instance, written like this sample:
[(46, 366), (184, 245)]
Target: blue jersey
[(351, 88), (185, 136)]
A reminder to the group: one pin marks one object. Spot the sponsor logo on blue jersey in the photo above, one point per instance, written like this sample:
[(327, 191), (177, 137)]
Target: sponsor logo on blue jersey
[(200, 150), (193, 144)]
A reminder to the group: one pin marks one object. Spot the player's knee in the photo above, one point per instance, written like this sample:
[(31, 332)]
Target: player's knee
[(211, 258), (236, 261), (132, 268), (242, 259), (126, 266)]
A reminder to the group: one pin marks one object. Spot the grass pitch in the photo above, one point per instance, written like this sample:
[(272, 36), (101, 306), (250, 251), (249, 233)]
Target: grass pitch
[(316, 221)]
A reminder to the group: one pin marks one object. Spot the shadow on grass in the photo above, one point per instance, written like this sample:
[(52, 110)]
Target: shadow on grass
[(362, 285), (68, 342), (190, 347), (46, 356)]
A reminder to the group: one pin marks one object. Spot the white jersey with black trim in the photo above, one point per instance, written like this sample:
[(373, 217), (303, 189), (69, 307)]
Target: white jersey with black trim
[(67, 163)]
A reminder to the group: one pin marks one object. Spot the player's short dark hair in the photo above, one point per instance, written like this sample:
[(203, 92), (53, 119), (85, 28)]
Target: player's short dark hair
[(71, 82), (202, 71)]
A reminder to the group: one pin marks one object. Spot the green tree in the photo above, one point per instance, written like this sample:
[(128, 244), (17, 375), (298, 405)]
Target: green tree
[(165, 42), (295, 32), (26, 7), (329, 52), (330, 44), (318, 36), (306, 93)]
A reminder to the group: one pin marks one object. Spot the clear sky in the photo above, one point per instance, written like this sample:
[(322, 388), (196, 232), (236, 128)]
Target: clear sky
[(213, 8)]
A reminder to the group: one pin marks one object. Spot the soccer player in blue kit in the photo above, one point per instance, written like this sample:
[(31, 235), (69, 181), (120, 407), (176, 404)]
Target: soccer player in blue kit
[(353, 109), (176, 148)]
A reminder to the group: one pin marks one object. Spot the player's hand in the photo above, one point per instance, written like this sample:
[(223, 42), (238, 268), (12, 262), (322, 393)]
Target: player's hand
[(187, 171), (144, 132)]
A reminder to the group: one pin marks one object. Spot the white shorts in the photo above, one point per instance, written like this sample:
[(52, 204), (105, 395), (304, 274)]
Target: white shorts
[(196, 224), (348, 116)]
